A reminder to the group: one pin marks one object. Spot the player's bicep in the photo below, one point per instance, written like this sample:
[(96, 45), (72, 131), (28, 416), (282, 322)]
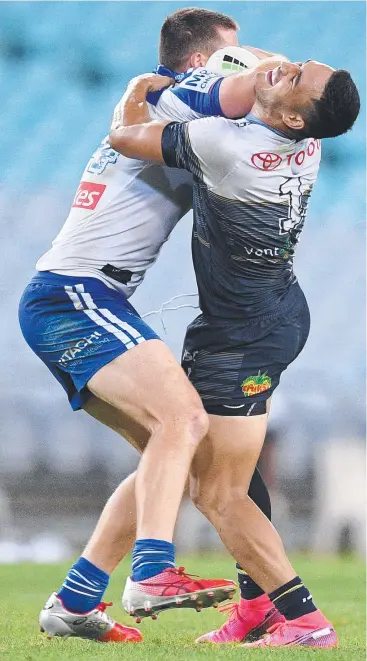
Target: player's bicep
[(197, 95), (176, 147), (237, 94), (142, 141)]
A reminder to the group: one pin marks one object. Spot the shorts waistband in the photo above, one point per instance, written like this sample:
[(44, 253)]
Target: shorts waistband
[(58, 280), (294, 297)]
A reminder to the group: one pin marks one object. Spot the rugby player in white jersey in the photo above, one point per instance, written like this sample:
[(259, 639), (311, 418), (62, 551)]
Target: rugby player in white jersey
[(250, 201), (76, 317)]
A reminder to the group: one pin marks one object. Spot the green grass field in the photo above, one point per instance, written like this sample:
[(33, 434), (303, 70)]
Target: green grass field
[(338, 587)]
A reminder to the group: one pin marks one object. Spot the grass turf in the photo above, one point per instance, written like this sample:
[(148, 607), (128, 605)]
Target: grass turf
[(338, 587)]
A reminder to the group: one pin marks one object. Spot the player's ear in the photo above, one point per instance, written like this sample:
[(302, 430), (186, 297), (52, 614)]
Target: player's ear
[(198, 60), (293, 120)]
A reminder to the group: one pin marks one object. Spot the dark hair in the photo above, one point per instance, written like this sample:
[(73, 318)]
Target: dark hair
[(337, 109), (189, 30)]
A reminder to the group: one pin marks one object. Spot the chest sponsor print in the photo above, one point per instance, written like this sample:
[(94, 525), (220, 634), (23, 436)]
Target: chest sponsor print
[(268, 161), (88, 195)]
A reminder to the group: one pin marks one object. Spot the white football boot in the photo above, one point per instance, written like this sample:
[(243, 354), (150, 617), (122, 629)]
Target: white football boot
[(56, 620)]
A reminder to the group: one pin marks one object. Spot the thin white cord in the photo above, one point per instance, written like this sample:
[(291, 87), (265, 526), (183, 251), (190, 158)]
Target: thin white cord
[(163, 308)]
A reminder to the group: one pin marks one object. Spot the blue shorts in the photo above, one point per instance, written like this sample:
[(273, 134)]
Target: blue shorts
[(76, 326)]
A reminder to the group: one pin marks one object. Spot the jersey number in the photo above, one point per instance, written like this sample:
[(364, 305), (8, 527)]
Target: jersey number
[(102, 157), (297, 207)]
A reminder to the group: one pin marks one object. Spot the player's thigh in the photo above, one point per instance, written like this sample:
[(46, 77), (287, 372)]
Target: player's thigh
[(241, 366), (227, 457), (147, 384), (119, 422)]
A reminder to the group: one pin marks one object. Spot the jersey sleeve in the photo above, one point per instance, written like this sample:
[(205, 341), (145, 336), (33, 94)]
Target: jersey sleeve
[(205, 147), (196, 96)]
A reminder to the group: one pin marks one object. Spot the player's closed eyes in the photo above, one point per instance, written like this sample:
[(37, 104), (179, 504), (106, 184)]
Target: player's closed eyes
[(297, 78)]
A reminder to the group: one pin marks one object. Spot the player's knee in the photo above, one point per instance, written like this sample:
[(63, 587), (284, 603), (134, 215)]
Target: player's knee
[(216, 500), (198, 421), (195, 421), (186, 421), (204, 497)]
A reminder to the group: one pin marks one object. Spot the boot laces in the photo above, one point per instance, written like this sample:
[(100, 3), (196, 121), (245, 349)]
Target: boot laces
[(103, 605), (180, 571), (231, 609), (278, 626)]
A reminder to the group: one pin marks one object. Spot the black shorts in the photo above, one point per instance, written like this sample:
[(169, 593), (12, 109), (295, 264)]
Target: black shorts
[(236, 366)]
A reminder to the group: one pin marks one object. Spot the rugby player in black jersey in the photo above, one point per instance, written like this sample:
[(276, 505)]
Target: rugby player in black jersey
[(252, 182)]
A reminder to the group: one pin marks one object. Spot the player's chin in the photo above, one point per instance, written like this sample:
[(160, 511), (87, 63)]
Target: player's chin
[(261, 91), (261, 82)]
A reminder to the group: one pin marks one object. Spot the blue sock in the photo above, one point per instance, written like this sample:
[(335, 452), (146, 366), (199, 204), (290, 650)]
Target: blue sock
[(83, 587), (151, 557)]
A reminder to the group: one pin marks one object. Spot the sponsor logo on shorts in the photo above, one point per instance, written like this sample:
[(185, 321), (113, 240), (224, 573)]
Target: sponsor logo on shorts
[(253, 385), (88, 195), (83, 344)]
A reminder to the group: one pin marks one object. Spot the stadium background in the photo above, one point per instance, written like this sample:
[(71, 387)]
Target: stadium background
[(63, 66)]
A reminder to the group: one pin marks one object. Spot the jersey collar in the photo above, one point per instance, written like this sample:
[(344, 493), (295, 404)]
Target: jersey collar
[(164, 71), (254, 120)]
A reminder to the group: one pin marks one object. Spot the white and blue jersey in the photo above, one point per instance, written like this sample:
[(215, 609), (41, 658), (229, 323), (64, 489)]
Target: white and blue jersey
[(124, 210), (74, 314)]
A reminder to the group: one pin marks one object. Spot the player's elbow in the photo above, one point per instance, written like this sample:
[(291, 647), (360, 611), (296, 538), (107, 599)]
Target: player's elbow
[(119, 141)]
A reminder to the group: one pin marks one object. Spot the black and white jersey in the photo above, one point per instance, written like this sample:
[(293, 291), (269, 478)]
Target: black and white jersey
[(251, 190)]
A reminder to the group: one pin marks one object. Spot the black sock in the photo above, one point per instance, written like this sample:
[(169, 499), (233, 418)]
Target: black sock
[(249, 589), (293, 599), (259, 494)]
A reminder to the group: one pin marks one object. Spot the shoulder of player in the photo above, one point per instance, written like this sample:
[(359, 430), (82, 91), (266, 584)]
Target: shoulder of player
[(240, 135), (219, 131), (214, 124), (189, 99), (196, 78), (198, 91)]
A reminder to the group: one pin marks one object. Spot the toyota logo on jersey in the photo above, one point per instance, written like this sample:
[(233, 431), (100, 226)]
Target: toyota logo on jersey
[(266, 160)]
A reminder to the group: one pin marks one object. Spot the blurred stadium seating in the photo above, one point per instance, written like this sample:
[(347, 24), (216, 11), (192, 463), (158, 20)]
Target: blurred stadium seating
[(63, 66)]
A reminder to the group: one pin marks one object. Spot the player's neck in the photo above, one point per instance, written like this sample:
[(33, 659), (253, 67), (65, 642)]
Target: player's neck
[(272, 122)]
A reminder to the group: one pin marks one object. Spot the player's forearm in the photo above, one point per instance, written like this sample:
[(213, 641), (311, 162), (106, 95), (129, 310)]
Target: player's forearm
[(237, 92), (133, 107), (133, 133), (263, 54)]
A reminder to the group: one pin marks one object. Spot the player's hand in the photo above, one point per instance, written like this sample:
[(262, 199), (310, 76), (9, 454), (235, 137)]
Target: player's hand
[(151, 82), (136, 92)]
